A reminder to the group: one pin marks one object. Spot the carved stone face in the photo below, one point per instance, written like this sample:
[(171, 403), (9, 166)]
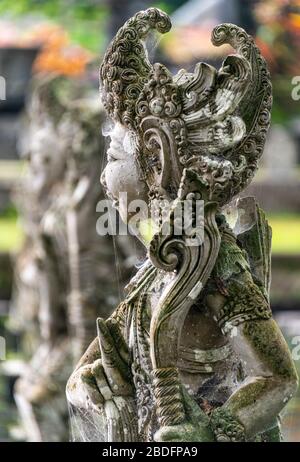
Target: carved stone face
[(121, 174)]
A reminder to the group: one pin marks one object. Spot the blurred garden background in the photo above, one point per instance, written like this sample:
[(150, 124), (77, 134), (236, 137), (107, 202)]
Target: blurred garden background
[(45, 39)]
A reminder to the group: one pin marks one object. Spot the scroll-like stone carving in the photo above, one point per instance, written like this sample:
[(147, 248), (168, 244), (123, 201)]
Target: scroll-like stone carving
[(192, 353)]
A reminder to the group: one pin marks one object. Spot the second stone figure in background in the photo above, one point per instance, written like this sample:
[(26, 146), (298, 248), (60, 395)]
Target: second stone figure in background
[(66, 273)]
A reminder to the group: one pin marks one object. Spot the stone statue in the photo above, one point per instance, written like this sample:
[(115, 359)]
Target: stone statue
[(38, 392), (61, 284), (192, 353)]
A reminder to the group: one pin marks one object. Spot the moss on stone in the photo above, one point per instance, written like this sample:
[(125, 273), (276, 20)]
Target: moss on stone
[(270, 346)]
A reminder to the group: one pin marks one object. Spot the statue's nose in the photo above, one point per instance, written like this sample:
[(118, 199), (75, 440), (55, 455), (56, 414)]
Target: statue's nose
[(103, 179)]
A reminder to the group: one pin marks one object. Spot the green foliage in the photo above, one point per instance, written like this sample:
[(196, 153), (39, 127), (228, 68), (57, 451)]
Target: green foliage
[(84, 10), (83, 20), (286, 233), (11, 235), (168, 5), (284, 107), (9, 213)]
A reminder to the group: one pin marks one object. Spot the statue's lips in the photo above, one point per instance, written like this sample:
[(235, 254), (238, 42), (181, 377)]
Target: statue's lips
[(115, 201)]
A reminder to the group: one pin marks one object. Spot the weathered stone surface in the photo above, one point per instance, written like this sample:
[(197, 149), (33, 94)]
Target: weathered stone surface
[(192, 353)]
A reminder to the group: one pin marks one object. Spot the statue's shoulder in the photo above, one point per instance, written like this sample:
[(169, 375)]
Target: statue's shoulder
[(232, 260), (246, 248), (254, 234), (244, 298)]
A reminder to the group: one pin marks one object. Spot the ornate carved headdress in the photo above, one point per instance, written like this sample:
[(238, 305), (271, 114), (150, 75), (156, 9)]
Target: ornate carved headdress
[(213, 122)]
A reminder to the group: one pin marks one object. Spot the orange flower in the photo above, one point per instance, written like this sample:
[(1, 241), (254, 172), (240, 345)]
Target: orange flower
[(58, 55)]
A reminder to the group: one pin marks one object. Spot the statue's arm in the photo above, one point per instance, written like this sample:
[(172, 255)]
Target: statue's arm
[(271, 378)]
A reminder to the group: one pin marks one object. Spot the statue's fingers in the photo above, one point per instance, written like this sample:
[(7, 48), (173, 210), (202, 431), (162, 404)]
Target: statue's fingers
[(114, 423), (90, 386), (119, 414), (116, 371), (192, 409), (109, 353), (101, 381), (128, 416), (119, 340)]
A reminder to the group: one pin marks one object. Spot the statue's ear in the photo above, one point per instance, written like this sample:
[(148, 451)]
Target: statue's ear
[(160, 157), (161, 130)]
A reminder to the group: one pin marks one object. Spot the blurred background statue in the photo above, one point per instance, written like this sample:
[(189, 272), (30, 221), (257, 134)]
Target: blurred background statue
[(61, 286), (38, 392), (192, 353)]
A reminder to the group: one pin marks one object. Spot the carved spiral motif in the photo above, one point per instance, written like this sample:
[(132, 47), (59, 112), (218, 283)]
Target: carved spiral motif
[(125, 67), (168, 254), (167, 251)]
